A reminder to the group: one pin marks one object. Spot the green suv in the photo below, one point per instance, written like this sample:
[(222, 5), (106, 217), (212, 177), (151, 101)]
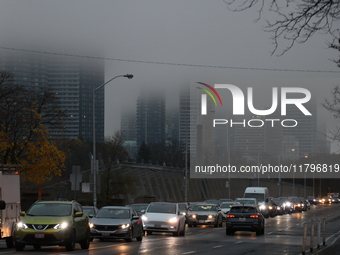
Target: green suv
[(53, 223)]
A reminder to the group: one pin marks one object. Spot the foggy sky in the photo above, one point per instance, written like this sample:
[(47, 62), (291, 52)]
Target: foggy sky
[(182, 33)]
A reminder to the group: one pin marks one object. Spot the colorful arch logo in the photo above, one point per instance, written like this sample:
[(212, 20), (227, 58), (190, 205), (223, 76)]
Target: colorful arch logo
[(210, 91)]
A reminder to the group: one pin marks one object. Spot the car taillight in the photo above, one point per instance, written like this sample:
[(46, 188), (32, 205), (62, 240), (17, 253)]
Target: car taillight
[(230, 216), (254, 216)]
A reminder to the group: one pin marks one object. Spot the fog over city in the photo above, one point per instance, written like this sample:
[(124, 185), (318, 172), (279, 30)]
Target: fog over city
[(168, 44)]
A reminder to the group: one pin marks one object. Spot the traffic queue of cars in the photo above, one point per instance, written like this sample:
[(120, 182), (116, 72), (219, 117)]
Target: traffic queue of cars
[(66, 223)]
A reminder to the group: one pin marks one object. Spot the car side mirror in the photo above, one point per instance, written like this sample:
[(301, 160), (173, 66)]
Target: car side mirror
[(136, 217), (79, 214), (91, 215)]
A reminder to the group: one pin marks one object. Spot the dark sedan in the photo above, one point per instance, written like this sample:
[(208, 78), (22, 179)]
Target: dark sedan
[(116, 222), (245, 218)]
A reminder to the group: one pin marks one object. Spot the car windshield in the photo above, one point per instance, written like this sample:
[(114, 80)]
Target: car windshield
[(113, 213), (182, 207), (205, 208), (139, 208), (245, 201), (89, 211), (50, 209), (259, 197), (162, 208), (226, 205), (242, 210)]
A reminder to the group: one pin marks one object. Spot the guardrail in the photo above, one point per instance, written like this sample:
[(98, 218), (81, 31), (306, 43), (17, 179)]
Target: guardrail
[(321, 223)]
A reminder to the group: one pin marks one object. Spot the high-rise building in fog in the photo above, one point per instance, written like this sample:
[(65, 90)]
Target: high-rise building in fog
[(72, 79), (150, 118)]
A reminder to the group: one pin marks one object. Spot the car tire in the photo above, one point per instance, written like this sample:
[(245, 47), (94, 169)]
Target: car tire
[(177, 233), (37, 247), (259, 230), (129, 239), (9, 242), (140, 237), (182, 233), (19, 246), (85, 243), (71, 242), (229, 232)]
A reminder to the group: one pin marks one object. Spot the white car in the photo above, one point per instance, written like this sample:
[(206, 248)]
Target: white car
[(163, 217)]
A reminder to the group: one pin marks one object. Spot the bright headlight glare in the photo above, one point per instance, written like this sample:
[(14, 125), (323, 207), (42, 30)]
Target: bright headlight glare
[(262, 207), (124, 226), (144, 218), (22, 225), (211, 216), (270, 207), (173, 220), (91, 225), (193, 216), (61, 225)]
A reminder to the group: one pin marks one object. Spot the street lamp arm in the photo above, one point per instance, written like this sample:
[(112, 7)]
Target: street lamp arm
[(129, 76)]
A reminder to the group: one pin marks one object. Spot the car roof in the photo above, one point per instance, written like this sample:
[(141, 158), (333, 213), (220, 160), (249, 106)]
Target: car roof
[(55, 202), (115, 207), (244, 205)]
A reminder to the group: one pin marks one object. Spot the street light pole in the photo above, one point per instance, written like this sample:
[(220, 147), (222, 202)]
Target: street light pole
[(94, 156)]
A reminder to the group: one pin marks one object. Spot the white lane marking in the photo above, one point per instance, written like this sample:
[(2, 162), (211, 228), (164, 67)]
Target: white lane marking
[(217, 246), (239, 242), (188, 252)]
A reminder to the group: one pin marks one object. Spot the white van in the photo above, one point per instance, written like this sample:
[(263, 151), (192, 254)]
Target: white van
[(260, 193)]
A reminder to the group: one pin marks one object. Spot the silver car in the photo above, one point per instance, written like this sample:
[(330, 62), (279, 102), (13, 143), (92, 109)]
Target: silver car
[(205, 214), (164, 217), (116, 222)]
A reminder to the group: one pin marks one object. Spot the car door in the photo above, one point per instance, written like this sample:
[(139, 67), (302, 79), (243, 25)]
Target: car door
[(81, 223)]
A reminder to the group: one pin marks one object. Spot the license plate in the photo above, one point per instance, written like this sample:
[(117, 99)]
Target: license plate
[(242, 219), (201, 221), (105, 234), (39, 235)]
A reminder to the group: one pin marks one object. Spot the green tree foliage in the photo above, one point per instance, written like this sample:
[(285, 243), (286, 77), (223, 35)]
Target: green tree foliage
[(24, 114)]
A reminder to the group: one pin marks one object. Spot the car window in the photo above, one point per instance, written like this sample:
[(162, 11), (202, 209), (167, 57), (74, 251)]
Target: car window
[(243, 210), (113, 213), (204, 208), (162, 208), (50, 209)]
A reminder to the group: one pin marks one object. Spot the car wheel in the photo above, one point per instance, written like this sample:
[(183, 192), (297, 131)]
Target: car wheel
[(9, 242), (19, 246), (229, 232), (140, 237), (129, 239), (85, 244), (182, 233), (71, 242), (177, 233), (259, 231), (36, 247)]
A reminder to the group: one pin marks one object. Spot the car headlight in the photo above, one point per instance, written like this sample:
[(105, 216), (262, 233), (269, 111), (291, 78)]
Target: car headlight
[(61, 225), (144, 218), (193, 216), (288, 204), (124, 226), (270, 207), (211, 216), (21, 225), (173, 220), (91, 225), (262, 207)]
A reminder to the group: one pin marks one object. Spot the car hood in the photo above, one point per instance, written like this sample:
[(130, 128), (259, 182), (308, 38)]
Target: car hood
[(204, 212), (160, 216), (108, 221), (45, 219)]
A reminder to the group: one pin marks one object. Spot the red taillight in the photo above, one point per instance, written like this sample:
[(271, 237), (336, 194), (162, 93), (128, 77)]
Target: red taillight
[(254, 216), (230, 216)]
